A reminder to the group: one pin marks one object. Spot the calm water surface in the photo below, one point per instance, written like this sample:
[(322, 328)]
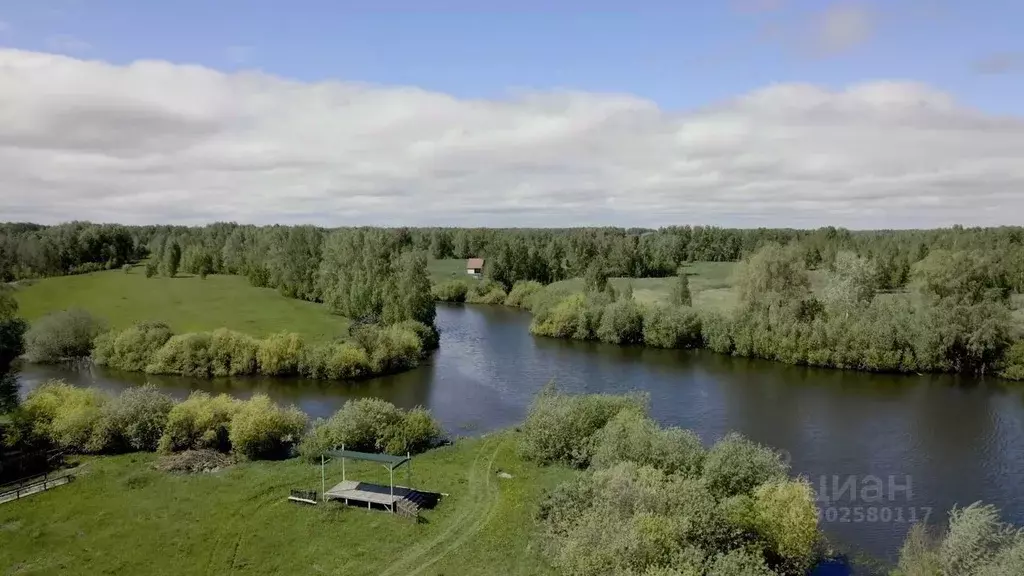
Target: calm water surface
[(951, 440)]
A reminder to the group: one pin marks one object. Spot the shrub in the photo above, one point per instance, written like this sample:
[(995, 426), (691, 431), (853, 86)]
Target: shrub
[(429, 338), (201, 421), (577, 316), (394, 348), (716, 330), (375, 425), (232, 353), (541, 302), (622, 322), (451, 291), (319, 439), (134, 420), (132, 348), (632, 436), (335, 361), (262, 429), (739, 561), (62, 414), (61, 335), (627, 519), (560, 427), (279, 354), (671, 327), (786, 516), (366, 424), (976, 543), (419, 432), (151, 269), (185, 355), (736, 465), (127, 268), (521, 293), (486, 292), (1013, 362)]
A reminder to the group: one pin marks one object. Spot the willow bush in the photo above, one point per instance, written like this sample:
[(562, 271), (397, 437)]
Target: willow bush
[(653, 501), (371, 350), (62, 335), (521, 293), (262, 429), (451, 291), (372, 425)]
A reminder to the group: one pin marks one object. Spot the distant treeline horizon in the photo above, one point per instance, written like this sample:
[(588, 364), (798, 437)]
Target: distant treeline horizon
[(273, 254)]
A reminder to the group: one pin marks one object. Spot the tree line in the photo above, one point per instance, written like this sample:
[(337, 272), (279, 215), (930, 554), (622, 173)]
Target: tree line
[(289, 258)]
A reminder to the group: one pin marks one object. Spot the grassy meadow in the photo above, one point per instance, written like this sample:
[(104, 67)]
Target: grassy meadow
[(448, 269), (122, 516), (186, 303)]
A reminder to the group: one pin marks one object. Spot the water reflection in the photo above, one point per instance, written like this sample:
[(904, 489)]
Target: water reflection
[(955, 440)]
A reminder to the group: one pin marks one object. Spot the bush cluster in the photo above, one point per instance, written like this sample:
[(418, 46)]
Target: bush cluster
[(975, 543), (960, 322), (676, 508), (560, 427), (521, 293), (486, 292), (372, 425), (85, 420), (451, 291), (622, 320), (62, 335), (372, 350)]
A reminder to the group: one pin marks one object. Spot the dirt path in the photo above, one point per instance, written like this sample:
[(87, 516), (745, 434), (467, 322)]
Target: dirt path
[(482, 496)]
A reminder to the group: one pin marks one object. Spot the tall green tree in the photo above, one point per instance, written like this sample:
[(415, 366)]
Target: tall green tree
[(680, 294), (12, 329), (172, 259)]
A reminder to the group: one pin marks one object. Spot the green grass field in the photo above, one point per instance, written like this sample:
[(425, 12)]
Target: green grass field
[(186, 303), (710, 285), (122, 516), (448, 269)]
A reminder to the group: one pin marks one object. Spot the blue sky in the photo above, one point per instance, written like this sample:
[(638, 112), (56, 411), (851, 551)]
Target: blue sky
[(681, 54)]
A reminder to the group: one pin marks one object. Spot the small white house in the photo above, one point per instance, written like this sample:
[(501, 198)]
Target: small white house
[(475, 266)]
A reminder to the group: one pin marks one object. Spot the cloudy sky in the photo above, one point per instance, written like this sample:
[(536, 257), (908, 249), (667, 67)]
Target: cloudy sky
[(894, 114)]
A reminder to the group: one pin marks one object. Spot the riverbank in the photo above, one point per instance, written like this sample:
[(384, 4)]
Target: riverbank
[(835, 424), (239, 330), (123, 516), (771, 308)]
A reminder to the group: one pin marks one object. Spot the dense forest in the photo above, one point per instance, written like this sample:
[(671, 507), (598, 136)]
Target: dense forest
[(290, 258), (956, 318)]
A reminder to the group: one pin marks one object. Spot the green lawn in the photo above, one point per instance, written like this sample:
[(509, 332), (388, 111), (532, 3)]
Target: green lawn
[(186, 303), (123, 517), (448, 269), (710, 285)]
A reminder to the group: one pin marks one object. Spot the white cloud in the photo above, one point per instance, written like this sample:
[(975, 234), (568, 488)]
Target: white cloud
[(159, 142), (67, 44)]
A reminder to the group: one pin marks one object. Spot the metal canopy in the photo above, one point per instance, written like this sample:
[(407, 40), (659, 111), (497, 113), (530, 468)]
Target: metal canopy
[(389, 461)]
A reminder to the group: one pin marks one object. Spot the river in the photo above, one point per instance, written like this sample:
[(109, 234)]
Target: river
[(895, 447)]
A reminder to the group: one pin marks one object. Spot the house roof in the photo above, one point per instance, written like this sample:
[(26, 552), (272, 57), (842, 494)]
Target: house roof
[(475, 263)]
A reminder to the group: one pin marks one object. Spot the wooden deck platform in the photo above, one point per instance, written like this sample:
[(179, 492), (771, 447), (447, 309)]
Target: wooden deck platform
[(405, 500), (351, 491)]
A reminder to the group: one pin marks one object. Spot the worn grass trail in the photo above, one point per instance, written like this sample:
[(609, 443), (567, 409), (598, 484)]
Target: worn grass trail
[(483, 495)]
